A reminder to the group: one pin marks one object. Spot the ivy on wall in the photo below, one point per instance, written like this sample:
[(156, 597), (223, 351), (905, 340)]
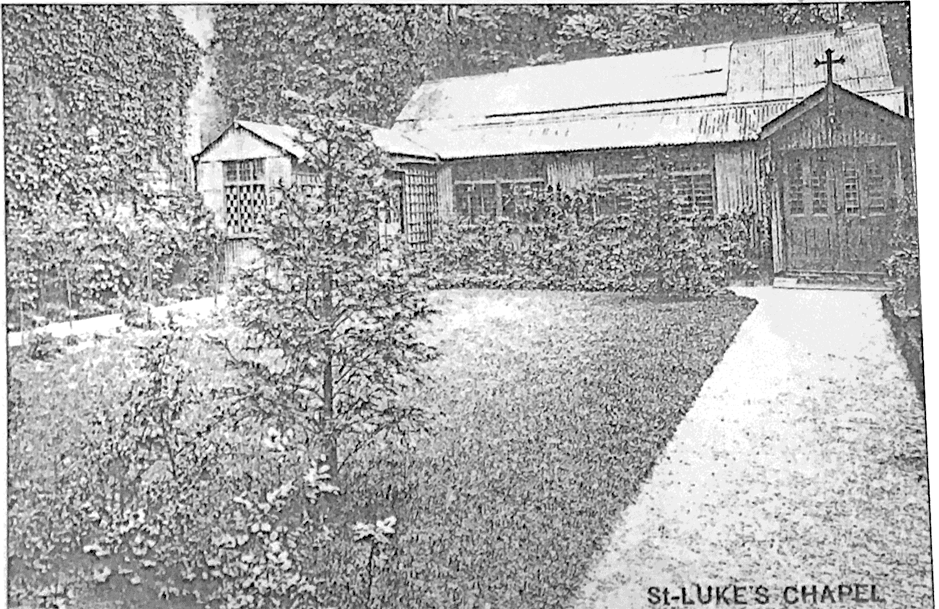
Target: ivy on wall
[(95, 112)]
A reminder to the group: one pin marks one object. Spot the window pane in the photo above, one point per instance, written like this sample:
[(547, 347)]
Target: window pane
[(795, 185), (852, 198), (819, 183), (684, 192), (878, 189)]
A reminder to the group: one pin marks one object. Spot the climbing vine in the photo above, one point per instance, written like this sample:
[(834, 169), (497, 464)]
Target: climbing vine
[(95, 113)]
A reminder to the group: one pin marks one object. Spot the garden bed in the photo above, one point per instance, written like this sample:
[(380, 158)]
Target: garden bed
[(552, 410)]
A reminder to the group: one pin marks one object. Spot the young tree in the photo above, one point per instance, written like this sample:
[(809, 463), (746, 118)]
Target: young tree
[(330, 315)]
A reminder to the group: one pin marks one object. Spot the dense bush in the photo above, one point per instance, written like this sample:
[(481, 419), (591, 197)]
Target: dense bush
[(902, 305), (95, 104), (903, 264), (602, 236), (143, 481), (65, 267)]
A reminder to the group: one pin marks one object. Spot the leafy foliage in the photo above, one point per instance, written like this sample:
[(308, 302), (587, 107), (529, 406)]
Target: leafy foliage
[(328, 316), (360, 59), (94, 103), (903, 304), (166, 490), (562, 241), (903, 265), (367, 59)]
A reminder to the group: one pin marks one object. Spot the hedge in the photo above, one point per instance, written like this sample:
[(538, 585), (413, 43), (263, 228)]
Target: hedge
[(644, 244)]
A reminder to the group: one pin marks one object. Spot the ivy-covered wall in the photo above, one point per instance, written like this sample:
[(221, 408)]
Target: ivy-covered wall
[(96, 181)]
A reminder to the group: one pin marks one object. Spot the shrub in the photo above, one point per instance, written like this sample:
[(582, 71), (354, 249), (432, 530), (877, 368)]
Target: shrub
[(903, 266), (169, 490), (602, 236), (329, 320)]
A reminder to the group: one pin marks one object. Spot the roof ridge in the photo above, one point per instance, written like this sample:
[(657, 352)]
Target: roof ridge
[(703, 108), (628, 109)]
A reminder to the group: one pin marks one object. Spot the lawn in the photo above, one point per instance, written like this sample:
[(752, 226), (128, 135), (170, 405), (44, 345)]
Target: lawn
[(552, 409)]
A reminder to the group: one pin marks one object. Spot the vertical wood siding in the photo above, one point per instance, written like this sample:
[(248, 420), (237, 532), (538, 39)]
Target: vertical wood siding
[(212, 188), (445, 191), (569, 170), (736, 175), (238, 253)]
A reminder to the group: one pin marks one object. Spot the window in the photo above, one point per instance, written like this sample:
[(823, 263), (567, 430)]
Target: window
[(616, 202), (245, 195), (475, 200), (419, 207), (852, 194), (819, 184), (516, 197), (795, 186), (694, 191), (877, 189), (692, 179), (495, 187), (622, 170)]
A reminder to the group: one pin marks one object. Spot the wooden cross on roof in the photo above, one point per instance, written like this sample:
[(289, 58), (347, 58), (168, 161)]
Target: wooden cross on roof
[(829, 63)]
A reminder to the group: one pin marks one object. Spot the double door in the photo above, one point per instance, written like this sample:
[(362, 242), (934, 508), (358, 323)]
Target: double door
[(838, 206)]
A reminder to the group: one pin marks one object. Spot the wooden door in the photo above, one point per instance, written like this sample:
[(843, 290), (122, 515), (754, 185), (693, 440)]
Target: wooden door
[(838, 205)]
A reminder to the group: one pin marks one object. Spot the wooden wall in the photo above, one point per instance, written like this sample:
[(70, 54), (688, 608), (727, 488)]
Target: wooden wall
[(445, 191), (736, 177), (856, 123), (209, 180), (735, 167), (569, 170)]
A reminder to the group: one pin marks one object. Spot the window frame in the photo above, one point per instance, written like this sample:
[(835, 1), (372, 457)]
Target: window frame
[(236, 177), (694, 175)]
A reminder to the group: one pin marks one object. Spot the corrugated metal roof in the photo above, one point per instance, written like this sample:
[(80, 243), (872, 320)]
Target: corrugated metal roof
[(784, 68), (646, 99), (772, 69), (606, 129), (641, 77), (396, 142)]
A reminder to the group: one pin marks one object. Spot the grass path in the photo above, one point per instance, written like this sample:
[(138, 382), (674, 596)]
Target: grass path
[(801, 462)]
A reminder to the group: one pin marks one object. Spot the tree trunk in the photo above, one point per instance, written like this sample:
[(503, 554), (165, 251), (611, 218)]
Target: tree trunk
[(68, 297), (332, 456)]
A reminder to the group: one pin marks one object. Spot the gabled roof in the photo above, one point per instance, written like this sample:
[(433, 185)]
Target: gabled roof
[(759, 70), (611, 128), (712, 93), (287, 138), (815, 99), (282, 136)]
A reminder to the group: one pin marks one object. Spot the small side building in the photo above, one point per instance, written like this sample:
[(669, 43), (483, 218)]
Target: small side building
[(237, 173)]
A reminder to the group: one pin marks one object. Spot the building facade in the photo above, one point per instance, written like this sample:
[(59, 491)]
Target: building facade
[(736, 127)]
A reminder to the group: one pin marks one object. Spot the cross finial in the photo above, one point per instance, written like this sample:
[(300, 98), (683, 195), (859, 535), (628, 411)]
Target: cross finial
[(829, 63)]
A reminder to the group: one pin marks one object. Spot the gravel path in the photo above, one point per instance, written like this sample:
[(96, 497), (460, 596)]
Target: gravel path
[(108, 324), (801, 463)]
